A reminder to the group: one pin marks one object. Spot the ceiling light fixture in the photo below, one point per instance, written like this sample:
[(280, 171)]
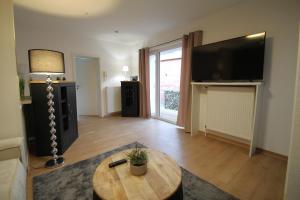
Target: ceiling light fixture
[(70, 8)]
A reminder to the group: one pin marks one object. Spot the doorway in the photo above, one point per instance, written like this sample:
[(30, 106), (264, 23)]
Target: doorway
[(165, 70), (88, 85)]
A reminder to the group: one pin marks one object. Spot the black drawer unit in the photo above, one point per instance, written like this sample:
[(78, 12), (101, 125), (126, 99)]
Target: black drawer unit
[(65, 116), (130, 98)]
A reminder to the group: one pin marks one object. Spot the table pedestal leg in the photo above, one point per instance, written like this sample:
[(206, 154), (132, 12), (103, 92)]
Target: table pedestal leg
[(178, 195), (95, 196)]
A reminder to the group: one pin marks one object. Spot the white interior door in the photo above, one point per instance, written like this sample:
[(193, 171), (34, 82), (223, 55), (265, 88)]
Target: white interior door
[(87, 85)]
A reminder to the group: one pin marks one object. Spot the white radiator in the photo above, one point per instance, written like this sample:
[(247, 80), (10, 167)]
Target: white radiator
[(229, 110)]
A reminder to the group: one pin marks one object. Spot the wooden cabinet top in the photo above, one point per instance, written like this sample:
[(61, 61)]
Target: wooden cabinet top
[(54, 82)]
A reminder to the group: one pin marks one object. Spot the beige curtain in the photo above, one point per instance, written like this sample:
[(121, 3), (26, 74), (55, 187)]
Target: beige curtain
[(144, 77), (184, 110)]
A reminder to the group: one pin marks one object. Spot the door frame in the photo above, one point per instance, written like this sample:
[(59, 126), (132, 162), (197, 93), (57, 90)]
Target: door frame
[(99, 80), (156, 51)]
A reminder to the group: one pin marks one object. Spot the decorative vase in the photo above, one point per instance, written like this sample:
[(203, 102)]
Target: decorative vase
[(138, 170)]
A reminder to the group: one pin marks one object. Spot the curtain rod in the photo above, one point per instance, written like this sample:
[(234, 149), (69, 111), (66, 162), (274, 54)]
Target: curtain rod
[(166, 42)]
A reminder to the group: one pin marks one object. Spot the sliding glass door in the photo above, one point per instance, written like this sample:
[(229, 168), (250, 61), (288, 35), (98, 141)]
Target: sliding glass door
[(165, 68)]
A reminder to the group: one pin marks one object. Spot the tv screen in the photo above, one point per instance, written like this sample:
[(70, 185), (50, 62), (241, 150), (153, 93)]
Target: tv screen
[(238, 59)]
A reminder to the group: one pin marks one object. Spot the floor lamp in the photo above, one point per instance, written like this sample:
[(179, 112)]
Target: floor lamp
[(48, 62)]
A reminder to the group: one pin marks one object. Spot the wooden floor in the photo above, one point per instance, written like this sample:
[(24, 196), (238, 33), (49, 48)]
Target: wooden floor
[(222, 164)]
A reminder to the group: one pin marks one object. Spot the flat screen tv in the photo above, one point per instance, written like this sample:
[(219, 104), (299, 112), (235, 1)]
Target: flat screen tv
[(238, 59)]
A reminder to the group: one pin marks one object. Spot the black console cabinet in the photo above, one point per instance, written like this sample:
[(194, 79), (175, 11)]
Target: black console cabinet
[(65, 116), (130, 98)]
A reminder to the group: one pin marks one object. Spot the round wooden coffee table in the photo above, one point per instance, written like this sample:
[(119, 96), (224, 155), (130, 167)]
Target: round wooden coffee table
[(162, 180)]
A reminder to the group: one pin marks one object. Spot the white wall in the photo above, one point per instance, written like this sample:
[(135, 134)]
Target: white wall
[(112, 56), (292, 185), (280, 20), (113, 99), (134, 65), (10, 118), (11, 121)]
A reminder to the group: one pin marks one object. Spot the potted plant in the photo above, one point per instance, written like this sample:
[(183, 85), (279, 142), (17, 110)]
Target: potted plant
[(138, 161)]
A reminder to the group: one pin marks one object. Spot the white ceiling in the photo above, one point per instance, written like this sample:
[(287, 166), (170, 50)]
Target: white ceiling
[(136, 20)]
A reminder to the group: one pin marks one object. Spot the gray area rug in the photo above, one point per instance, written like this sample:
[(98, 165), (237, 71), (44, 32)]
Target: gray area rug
[(75, 182)]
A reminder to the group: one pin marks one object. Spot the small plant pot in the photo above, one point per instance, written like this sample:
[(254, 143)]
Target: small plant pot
[(138, 170)]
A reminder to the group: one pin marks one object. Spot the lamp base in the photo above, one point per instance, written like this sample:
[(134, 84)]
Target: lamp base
[(51, 164)]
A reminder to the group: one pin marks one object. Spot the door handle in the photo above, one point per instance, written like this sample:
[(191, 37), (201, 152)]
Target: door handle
[(77, 87)]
